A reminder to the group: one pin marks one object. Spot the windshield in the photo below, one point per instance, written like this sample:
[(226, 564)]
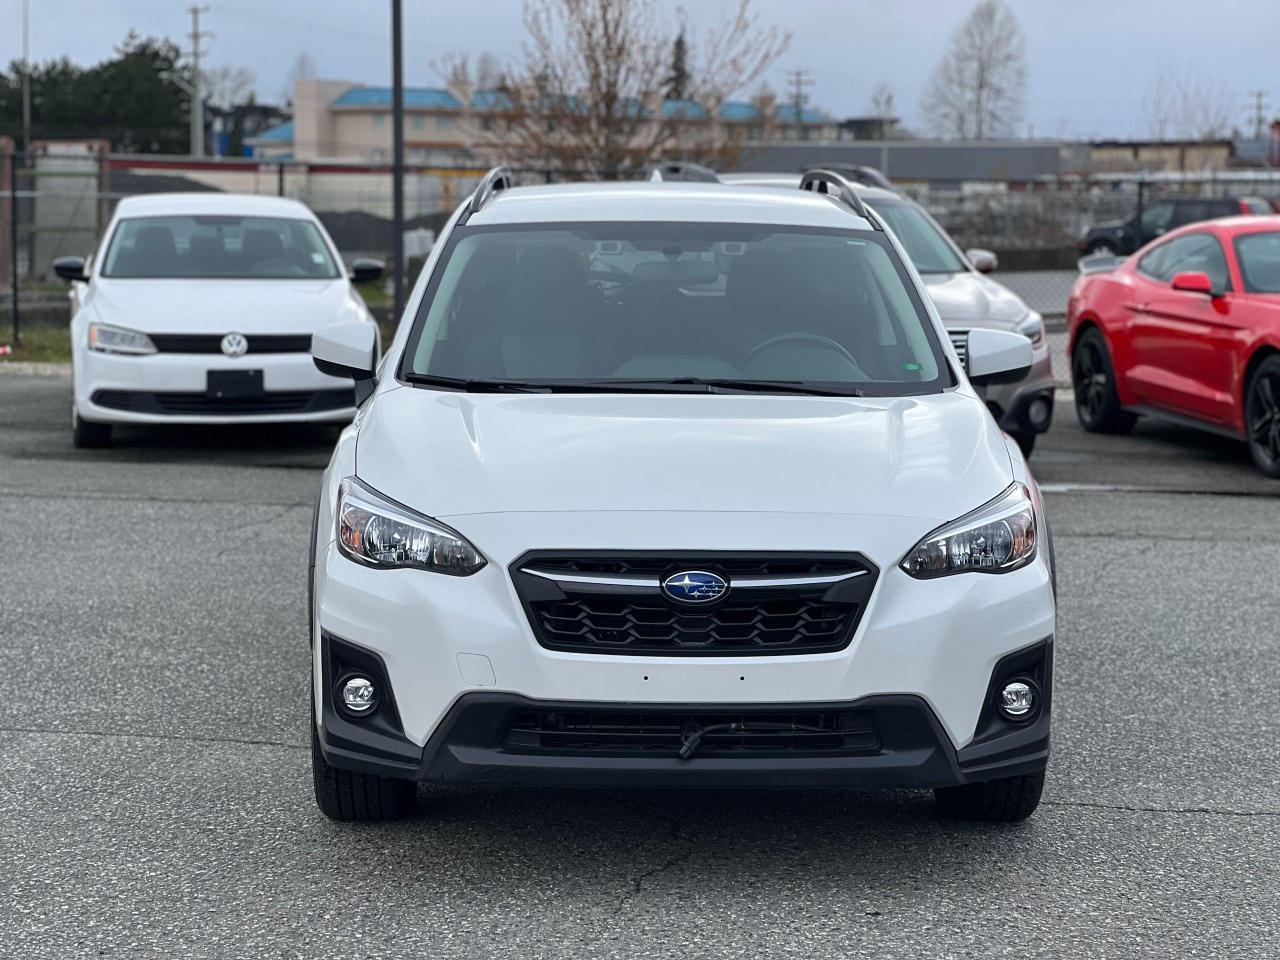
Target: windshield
[(645, 303), (1259, 256), (921, 237), (262, 248)]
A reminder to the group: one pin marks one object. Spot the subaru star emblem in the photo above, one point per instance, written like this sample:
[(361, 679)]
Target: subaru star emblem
[(695, 586), (234, 345)]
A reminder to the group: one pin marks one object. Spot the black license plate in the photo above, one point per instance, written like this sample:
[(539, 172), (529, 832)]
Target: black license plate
[(234, 384)]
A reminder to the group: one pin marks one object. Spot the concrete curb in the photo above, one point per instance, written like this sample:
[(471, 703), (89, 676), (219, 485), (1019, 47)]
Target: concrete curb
[(25, 368)]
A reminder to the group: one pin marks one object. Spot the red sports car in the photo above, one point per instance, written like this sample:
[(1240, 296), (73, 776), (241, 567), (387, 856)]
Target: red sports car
[(1188, 329)]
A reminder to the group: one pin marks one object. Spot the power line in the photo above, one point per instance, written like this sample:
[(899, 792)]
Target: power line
[(1260, 108), (799, 79)]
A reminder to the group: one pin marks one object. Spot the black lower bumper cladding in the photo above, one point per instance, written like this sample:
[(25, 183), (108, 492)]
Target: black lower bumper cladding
[(892, 740)]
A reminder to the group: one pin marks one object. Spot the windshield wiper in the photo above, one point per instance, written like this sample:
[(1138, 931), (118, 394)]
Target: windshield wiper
[(477, 384), (752, 386)]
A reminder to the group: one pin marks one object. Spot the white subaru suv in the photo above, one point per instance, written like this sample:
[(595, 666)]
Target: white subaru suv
[(677, 485)]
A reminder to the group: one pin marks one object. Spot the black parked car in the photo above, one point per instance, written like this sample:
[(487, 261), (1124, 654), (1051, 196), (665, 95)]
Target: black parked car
[(1160, 216)]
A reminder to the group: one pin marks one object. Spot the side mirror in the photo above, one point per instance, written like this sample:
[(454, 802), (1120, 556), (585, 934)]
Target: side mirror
[(984, 261), (345, 350), (70, 268), (367, 270), (1195, 281), (997, 356)]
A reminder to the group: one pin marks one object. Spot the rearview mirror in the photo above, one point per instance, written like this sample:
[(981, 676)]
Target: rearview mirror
[(70, 268), (1194, 281), (984, 261), (367, 270), (997, 356), (345, 350)]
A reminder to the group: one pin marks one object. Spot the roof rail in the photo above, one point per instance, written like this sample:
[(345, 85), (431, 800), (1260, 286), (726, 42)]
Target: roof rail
[(867, 176), (821, 181), (497, 179), (665, 171)]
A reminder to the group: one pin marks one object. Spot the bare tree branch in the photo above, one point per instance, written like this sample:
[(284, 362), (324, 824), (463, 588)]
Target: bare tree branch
[(1183, 105), (589, 96), (979, 87)]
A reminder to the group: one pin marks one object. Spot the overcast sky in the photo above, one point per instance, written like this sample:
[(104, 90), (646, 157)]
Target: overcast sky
[(1092, 62)]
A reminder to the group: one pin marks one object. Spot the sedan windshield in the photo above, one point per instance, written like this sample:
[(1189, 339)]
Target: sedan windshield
[(921, 237), (705, 307), (202, 247)]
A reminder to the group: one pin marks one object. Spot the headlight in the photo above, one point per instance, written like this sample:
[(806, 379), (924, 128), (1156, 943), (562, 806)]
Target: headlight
[(108, 339), (1032, 327), (379, 533), (995, 538)]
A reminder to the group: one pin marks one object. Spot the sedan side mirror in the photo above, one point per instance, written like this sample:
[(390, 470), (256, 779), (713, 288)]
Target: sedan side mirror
[(367, 270), (984, 261), (997, 356), (1195, 281), (70, 268)]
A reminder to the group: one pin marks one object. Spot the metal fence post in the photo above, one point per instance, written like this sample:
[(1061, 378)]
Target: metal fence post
[(280, 179), (13, 243)]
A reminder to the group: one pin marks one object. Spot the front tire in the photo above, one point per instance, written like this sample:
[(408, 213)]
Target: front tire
[(1262, 416), (1094, 381), (86, 434), (350, 795), (1008, 800)]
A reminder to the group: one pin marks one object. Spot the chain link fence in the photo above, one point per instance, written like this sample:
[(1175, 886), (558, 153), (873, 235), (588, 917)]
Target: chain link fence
[(56, 199)]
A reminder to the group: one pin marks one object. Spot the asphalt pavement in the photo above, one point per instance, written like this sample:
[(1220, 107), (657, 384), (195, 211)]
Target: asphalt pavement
[(155, 794)]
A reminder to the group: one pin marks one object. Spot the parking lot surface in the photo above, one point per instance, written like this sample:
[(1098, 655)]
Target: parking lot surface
[(155, 796)]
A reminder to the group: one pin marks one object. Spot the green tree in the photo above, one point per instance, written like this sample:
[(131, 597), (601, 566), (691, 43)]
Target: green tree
[(126, 99)]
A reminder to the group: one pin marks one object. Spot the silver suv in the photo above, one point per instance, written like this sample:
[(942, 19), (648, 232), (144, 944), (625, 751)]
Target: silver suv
[(965, 297)]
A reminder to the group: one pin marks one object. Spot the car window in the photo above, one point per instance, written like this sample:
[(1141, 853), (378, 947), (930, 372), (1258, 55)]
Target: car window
[(1157, 218), (1256, 205), (1259, 258), (1198, 252), (661, 301), (204, 247), (922, 239)]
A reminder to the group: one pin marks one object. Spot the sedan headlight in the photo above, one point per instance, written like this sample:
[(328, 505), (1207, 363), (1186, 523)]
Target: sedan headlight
[(108, 339), (995, 538), (1032, 327), (376, 532)]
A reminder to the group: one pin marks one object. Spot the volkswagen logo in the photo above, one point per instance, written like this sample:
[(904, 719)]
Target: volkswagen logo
[(695, 586), (234, 345)]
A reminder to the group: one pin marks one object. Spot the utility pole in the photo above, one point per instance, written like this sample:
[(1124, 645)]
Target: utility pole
[(196, 88), (397, 162), (1259, 98), (26, 76), (799, 79)]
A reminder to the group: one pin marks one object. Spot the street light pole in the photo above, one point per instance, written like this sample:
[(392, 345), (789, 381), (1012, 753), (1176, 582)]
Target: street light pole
[(26, 77), (397, 161)]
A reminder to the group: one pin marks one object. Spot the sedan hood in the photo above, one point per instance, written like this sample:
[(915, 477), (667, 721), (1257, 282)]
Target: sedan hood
[(967, 300), (222, 306), (450, 454)]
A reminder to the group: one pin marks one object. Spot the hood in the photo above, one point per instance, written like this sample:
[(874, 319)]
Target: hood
[(223, 306), (449, 454), (967, 300)]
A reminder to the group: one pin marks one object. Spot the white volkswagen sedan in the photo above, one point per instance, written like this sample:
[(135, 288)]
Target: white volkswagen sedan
[(678, 484), (199, 308)]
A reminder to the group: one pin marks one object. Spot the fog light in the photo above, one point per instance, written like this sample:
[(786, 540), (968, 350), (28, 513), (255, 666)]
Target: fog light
[(1019, 699), (359, 696), (1038, 413)]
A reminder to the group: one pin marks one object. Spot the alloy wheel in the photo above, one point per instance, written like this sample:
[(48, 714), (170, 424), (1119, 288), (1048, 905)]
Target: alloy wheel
[(1264, 417), (1090, 380)]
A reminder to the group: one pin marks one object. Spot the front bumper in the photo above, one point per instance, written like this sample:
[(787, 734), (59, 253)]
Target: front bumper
[(168, 387), (905, 745), (444, 643)]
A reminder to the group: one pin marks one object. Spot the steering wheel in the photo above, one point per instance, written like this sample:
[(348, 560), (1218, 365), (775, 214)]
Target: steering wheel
[(276, 265), (816, 339)]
